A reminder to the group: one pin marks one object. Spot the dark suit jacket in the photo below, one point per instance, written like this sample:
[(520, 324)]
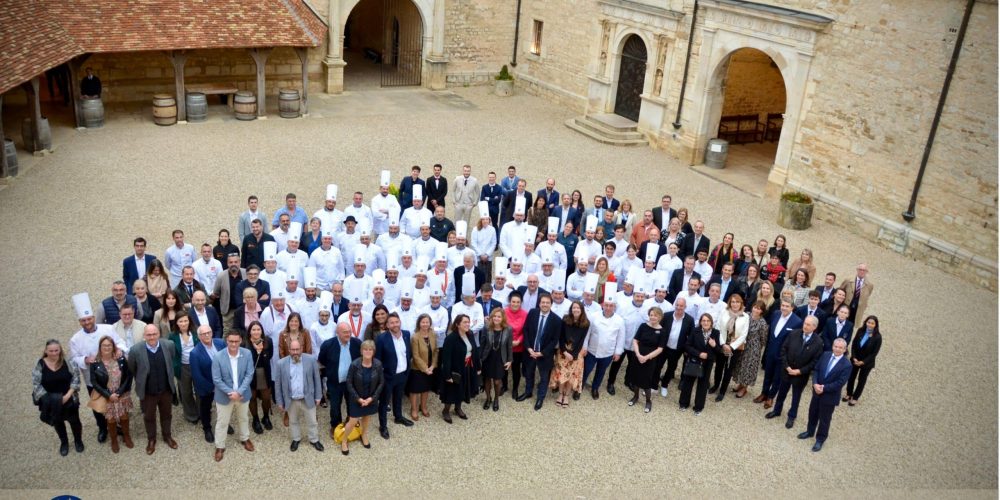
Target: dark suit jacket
[(438, 194), (573, 215), (524, 288), (734, 287), (214, 321), (130, 273), (550, 335), (182, 293), (820, 290), (493, 196), (749, 292), (262, 287), (832, 382), (641, 254), (774, 344), (799, 355), (329, 356), (343, 306), (494, 303), (551, 201), (803, 310), (201, 367), (869, 352), (687, 325), (658, 216), (612, 204), (830, 333), (459, 273), (687, 245), (406, 192), (386, 352), (507, 207), (677, 281), (252, 251), (696, 345)]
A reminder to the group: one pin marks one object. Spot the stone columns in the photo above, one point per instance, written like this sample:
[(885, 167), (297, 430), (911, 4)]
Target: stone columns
[(260, 58), (303, 53), (334, 63), (36, 115), (796, 77), (177, 59), (437, 61), (74, 86)]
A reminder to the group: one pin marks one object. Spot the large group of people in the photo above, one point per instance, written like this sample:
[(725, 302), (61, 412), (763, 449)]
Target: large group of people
[(362, 308)]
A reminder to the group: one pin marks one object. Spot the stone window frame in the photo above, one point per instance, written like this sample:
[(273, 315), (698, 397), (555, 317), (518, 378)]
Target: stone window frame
[(530, 42)]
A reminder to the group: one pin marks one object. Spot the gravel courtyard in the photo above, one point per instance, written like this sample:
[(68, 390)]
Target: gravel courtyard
[(928, 419)]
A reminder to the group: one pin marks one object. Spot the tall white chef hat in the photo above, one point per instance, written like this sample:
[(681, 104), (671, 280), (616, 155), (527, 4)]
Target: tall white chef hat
[(326, 301), (469, 284), (81, 303), (558, 280), (590, 283), (295, 231), (519, 203), (309, 277), (553, 227), (610, 290), (331, 191), (461, 229), (591, 223), (484, 209), (652, 250), (500, 266), (385, 179), (270, 250), (418, 192)]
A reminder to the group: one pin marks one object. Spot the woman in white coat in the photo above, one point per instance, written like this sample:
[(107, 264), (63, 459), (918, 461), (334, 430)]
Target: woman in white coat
[(484, 241), (734, 323)]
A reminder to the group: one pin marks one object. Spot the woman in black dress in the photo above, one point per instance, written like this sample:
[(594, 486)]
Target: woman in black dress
[(55, 394), (423, 344), (780, 249), (568, 371), (701, 348), (365, 381), (460, 367), (261, 351), (496, 343), (867, 343), (648, 343)]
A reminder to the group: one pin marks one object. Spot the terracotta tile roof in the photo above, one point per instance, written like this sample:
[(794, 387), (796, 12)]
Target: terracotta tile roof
[(39, 34)]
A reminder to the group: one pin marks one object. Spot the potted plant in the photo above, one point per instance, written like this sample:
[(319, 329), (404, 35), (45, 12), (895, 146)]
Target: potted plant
[(504, 82), (795, 210)]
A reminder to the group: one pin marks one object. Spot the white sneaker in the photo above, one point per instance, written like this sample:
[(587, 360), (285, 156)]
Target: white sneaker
[(663, 391)]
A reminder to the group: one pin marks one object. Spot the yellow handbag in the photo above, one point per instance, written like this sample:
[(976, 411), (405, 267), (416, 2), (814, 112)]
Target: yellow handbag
[(338, 434)]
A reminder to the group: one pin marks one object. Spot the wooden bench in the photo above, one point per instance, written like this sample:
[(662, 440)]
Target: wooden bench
[(772, 130), (224, 89), (741, 129)]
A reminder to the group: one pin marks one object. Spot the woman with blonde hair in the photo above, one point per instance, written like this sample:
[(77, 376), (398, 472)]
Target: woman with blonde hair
[(112, 379), (55, 392), (604, 275), (734, 324), (423, 345), (365, 380), (625, 215), (496, 343), (765, 294), (805, 261)]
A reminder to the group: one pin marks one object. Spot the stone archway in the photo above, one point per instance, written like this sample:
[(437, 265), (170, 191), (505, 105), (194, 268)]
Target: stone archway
[(631, 78), (383, 44)]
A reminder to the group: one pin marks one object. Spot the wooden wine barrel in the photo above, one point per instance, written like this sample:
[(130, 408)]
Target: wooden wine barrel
[(164, 109), (288, 103), (197, 107), (93, 112), (11, 152), (245, 105)]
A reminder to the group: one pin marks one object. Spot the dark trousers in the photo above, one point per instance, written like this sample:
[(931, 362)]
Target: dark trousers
[(394, 386), (720, 368), (102, 423), (772, 377), (205, 410), (69, 414), (670, 357), (725, 365), (617, 365), (516, 368), (820, 415), (544, 367), (264, 396), (150, 404), (687, 383), (589, 363), (336, 392), (796, 385), (859, 374)]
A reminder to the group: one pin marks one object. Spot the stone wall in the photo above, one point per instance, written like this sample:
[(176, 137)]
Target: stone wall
[(478, 38), (753, 85)]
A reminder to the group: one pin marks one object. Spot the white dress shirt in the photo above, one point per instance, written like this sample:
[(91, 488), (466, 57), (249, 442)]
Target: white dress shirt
[(400, 344)]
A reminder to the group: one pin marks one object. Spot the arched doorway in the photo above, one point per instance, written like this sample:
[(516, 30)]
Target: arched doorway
[(750, 115), (383, 44), (631, 76)]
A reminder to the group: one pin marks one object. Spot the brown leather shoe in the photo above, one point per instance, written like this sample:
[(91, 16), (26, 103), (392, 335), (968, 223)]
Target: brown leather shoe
[(248, 445), (284, 420), (768, 403), (760, 399), (170, 442), (218, 454), (150, 446)]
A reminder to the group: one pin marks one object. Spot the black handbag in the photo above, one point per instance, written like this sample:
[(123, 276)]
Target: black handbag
[(692, 368)]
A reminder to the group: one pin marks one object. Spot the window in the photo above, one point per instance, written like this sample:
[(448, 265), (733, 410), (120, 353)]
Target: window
[(536, 39)]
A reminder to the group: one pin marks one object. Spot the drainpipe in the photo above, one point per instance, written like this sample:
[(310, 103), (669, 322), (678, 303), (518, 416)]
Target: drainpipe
[(909, 214), (687, 65), (517, 30)]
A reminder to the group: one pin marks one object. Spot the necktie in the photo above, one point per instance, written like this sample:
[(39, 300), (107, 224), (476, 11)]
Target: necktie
[(857, 289), (805, 342), (829, 368), (190, 290), (538, 338), (812, 312), (466, 181)]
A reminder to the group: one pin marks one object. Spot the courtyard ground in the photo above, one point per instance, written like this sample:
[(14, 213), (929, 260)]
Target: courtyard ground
[(928, 419)]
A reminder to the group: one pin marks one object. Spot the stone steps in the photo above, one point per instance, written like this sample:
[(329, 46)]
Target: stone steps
[(608, 129)]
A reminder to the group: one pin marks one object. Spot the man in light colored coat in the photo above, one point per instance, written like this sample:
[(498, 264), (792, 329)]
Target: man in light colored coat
[(232, 372), (466, 189), (298, 390)]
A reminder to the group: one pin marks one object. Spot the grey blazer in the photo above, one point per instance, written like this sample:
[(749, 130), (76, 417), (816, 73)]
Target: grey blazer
[(222, 290), (222, 375), (138, 363), (486, 338), (312, 386)]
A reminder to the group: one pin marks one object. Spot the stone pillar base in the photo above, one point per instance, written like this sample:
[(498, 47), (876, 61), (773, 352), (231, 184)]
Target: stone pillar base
[(333, 70), (436, 76)]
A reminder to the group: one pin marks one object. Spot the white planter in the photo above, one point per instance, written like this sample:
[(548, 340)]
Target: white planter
[(504, 88)]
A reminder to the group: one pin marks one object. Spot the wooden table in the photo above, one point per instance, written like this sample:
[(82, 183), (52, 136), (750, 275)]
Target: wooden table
[(228, 89)]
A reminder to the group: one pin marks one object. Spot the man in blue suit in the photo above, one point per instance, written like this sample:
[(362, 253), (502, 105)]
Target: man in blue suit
[(838, 327), (829, 377), (782, 322), (406, 188), (541, 334), (336, 355), (486, 300), (135, 266), (492, 193), (232, 372), (389, 347), (203, 314), (201, 371), (549, 194), (566, 213), (509, 183), (812, 308)]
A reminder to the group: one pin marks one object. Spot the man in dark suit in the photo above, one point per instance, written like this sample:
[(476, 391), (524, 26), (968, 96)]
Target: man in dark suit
[(531, 293), (335, 356), (695, 242), (826, 289), (549, 194), (252, 252), (726, 282), (509, 200), (201, 372), (487, 301), (396, 370), (783, 322), (566, 213), (799, 354), (201, 310), (659, 220), (492, 194), (680, 277), (812, 308), (677, 326), (406, 188), (541, 334), (829, 377), (838, 327), (135, 266), (436, 189), (188, 285), (340, 303), (610, 203), (253, 281), (469, 266)]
